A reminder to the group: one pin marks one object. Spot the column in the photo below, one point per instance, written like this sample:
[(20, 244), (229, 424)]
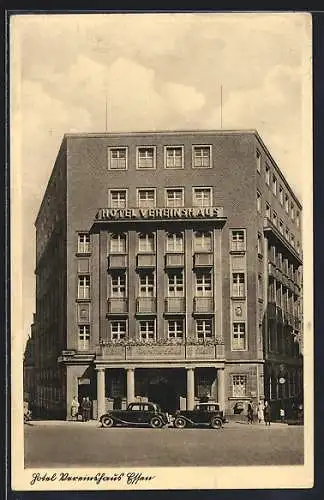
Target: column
[(101, 392), (130, 385), (190, 388), (221, 388)]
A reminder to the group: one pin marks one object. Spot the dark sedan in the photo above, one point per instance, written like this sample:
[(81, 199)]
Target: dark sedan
[(136, 414), (203, 414)]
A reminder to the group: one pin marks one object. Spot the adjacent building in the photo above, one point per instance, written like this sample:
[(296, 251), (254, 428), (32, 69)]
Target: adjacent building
[(168, 268)]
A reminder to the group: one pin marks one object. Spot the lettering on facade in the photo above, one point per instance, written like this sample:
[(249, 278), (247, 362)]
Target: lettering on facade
[(148, 352), (159, 213)]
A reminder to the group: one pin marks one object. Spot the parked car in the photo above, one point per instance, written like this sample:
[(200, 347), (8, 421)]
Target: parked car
[(136, 414), (203, 414)]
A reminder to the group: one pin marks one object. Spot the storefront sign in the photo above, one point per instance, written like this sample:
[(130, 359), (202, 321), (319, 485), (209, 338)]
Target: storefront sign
[(159, 213)]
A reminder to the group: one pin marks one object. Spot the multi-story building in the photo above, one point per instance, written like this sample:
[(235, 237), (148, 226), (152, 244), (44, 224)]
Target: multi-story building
[(168, 268)]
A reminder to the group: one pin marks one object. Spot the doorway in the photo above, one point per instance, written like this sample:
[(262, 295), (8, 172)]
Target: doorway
[(164, 394)]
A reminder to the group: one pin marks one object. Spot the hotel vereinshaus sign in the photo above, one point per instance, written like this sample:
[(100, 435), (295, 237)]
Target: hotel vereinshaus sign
[(127, 214)]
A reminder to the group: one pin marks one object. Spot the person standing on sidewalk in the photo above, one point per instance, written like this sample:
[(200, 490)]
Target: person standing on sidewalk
[(86, 409), (282, 415), (74, 408), (267, 413), (260, 412), (83, 411), (250, 415)]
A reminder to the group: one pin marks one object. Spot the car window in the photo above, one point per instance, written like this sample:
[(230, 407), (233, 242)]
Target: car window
[(135, 407), (147, 407)]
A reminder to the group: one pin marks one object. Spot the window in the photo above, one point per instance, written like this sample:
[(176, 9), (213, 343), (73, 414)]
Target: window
[(292, 240), (258, 202), (202, 241), (175, 284), (238, 336), (174, 157), (204, 329), (267, 171), (117, 158), (146, 242), (238, 285), (287, 233), (274, 185), (274, 218), (174, 242), (203, 284), (146, 157), (118, 198), (297, 219), (237, 240), (118, 243), (175, 329), (260, 286), (268, 210), (118, 285), (258, 160), (281, 226), (202, 197), (146, 198), (146, 285), (174, 197), (84, 337), (201, 157), (260, 252), (118, 330), (292, 211), (147, 330), (83, 287), (286, 203), (83, 243), (239, 386), (281, 197)]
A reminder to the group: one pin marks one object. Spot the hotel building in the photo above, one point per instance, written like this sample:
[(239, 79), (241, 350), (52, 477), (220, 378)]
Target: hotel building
[(168, 268)]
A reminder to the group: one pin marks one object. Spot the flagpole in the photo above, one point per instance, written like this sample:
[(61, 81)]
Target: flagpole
[(221, 106), (106, 115)]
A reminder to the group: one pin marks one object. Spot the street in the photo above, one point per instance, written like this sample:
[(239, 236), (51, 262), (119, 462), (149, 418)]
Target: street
[(64, 444)]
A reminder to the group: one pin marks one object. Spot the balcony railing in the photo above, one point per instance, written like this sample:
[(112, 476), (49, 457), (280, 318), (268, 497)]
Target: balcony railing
[(203, 259), (174, 260), (146, 260), (117, 261), (271, 270), (175, 305), (203, 305), (146, 305), (117, 305)]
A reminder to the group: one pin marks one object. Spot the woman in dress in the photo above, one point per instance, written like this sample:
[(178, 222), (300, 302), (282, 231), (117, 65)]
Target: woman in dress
[(260, 412)]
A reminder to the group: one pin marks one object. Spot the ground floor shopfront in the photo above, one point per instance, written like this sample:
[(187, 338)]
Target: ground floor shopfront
[(173, 386)]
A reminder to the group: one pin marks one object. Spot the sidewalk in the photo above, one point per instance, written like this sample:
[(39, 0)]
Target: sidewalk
[(232, 422)]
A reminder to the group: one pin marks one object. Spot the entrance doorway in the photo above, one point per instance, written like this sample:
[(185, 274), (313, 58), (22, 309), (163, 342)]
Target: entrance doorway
[(163, 393)]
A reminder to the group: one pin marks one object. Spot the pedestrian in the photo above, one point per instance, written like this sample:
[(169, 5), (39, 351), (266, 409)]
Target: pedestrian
[(74, 408), (83, 412), (267, 413), (250, 413), (86, 406), (260, 412), (282, 414)]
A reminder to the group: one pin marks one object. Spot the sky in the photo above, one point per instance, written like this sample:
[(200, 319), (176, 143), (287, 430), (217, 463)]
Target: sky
[(159, 71)]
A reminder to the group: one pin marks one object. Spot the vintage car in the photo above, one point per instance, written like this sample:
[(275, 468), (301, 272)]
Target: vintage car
[(203, 414), (136, 414)]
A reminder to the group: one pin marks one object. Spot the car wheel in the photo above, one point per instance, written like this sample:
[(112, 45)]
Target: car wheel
[(107, 422), (156, 422), (216, 423), (180, 423)]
